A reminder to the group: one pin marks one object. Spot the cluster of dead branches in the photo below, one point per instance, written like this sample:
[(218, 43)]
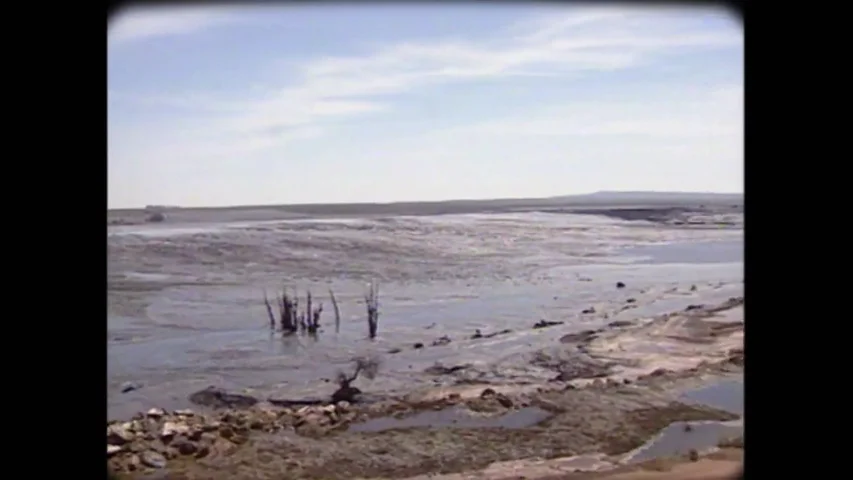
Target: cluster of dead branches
[(291, 319), (369, 367)]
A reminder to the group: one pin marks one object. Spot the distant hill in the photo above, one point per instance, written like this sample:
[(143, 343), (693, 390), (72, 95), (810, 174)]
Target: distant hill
[(651, 197)]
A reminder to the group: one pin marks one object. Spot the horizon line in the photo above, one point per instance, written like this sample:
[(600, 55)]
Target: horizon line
[(426, 202)]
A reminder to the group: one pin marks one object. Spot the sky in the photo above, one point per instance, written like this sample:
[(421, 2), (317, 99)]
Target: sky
[(226, 105)]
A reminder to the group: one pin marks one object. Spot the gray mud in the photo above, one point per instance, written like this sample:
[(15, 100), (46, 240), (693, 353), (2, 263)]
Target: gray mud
[(185, 300), (456, 417)]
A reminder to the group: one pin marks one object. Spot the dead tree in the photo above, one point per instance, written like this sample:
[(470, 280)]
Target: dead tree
[(371, 299), (337, 311), (346, 392), (291, 319)]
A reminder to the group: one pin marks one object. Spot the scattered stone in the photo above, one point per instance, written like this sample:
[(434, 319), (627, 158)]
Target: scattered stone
[(477, 334), (185, 447), (202, 452), (394, 350), (185, 412), (693, 455), (589, 310), (439, 369), (444, 340), (688, 427), (152, 459), (113, 449), (130, 386), (343, 406), (418, 346), (503, 400), (219, 398), (693, 288), (583, 336), (488, 393), (631, 300), (156, 412), (170, 429), (545, 323), (693, 307), (620, 323), (620, 285), (119, 434), (626, 381)]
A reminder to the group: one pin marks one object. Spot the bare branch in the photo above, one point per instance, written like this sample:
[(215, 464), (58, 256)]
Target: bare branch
[(337, 311)]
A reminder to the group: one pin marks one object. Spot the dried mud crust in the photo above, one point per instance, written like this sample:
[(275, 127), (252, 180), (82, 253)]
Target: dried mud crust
[(611, 420)]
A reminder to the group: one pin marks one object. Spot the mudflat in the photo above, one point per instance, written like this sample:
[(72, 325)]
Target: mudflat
[(580, 428)]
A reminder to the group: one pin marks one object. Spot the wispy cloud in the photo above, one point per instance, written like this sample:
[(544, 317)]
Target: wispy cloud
[(190, 132), (134, 24), (344, 87)]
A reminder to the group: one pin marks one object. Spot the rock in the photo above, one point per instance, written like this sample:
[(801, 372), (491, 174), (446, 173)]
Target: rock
[(130, 386), (418, 345), (219, 398), (343, 406), (226, 432), (583, 336), (185, 412), (113, 449), (488, 393), (119, 434), (185, 447), (588, 311), (156, 413), (202, 452), (693, 288), (346, 394), (477, 334), (631, 300), (619, 323), (620, 285), (444, 340), (503, 400), (394, 350), (152, 459), (133, 463), (170, 429), (545, 323), (693, 455), (439, 369)]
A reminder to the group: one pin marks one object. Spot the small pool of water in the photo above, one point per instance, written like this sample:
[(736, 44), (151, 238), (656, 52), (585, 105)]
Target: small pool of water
[(679, 438), (456, 417), (725, 395)]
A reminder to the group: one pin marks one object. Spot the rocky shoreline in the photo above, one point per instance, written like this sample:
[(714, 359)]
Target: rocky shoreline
[(252, 438)]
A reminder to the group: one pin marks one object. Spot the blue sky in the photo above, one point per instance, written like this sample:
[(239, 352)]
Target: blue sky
[(358, 103)]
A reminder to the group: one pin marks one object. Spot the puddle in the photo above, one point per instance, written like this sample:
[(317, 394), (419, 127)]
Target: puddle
[(725, 395), (677, 440), (456, 417)]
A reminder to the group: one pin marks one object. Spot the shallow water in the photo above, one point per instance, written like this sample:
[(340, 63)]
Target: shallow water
[(185, 303), (456, 417), (677, 439), (725, 395)]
